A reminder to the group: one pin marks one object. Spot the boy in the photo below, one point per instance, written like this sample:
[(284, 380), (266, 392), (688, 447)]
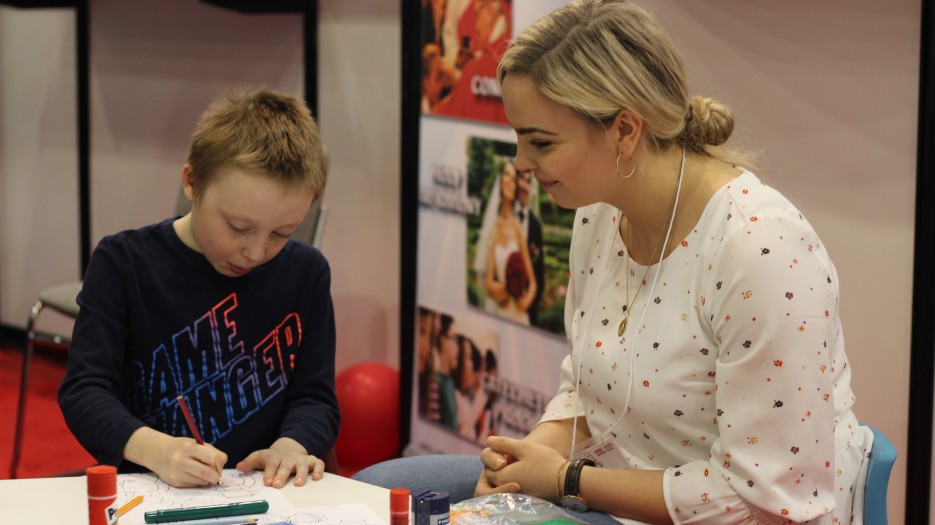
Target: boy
[(218, 306)]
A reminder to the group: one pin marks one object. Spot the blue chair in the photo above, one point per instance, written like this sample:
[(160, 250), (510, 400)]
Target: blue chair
[(882, 456)]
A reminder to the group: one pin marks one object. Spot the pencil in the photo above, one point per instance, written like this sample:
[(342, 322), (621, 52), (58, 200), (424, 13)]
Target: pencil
[(129, 505), (190, 420), (221, 521)]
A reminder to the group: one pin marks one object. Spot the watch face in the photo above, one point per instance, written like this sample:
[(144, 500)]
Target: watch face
[(575, 503)]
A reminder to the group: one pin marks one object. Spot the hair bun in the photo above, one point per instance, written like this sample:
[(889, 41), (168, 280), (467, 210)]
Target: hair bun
[(709, 122)]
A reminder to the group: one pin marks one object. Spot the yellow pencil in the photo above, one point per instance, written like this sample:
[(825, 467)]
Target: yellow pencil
[(130, 504)]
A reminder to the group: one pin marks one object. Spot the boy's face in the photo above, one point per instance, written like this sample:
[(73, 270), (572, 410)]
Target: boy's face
[(242, 219)]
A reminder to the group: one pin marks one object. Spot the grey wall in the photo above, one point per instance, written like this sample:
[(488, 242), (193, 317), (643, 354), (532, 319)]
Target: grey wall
[(154, 68), (828, 92)]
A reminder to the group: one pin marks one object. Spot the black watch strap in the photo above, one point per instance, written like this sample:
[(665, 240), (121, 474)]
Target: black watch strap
[(573, 476)]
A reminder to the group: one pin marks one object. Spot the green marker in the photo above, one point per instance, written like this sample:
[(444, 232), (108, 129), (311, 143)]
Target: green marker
[(211, 511)]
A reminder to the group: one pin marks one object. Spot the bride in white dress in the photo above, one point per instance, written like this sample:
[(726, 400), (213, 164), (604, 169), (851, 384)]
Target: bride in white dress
[(511, 286)]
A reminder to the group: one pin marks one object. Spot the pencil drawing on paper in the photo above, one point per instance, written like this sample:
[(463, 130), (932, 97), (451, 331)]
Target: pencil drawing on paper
[(234, 486)]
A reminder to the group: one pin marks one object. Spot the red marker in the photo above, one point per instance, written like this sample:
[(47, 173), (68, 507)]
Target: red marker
[(190, 420), (192, 427)]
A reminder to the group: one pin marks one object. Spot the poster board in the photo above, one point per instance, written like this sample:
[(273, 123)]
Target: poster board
[(488, 301)]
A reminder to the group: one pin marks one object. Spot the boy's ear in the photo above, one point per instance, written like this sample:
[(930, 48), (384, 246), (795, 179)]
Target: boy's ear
[(628, 127), (188, 182)]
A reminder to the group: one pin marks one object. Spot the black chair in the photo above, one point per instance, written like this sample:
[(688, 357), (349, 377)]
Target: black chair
[(60, 298)]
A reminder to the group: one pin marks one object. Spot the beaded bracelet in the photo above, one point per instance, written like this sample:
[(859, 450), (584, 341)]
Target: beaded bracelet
[(559, 482)]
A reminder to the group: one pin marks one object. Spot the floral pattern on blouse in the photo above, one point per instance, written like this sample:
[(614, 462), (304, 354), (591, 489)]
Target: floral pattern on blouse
[(731, 374)]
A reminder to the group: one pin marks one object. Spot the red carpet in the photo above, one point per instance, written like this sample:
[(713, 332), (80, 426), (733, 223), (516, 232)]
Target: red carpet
[(49, 448)]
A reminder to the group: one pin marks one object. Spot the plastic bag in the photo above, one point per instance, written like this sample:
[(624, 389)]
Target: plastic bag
[(509, 509)]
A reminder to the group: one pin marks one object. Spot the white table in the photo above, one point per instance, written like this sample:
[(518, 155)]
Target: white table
[(64, 501)]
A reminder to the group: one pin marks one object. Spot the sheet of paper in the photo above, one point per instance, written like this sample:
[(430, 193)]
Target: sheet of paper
[(234, 487), (328, 515)]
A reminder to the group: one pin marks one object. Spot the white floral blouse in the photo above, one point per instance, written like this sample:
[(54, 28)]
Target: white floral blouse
[(736, 381)]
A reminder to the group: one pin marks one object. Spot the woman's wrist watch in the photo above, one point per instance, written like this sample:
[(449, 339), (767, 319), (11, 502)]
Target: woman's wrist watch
[(571, 496)]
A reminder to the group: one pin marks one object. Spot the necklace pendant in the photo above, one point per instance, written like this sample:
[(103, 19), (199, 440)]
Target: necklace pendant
[(623, 326)]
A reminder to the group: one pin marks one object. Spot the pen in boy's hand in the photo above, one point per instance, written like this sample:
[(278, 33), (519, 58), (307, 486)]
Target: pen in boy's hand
[(192, 427), (190, 420)]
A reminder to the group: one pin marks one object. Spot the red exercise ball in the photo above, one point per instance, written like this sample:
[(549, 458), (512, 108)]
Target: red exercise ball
[(368, 395)]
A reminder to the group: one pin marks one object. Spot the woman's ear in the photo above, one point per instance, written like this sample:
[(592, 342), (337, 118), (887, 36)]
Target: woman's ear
[(628, 127)]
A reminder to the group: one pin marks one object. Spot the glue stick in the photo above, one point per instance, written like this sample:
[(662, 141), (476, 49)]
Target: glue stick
[(432, 508), (102, 495), (399, 506)]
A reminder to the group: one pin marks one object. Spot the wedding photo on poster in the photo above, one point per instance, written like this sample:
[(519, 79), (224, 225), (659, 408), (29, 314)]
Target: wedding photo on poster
[(462, 42), (517, 248), (457, 375)]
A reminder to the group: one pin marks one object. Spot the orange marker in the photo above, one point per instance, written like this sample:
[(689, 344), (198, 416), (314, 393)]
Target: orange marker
[(129, 505)]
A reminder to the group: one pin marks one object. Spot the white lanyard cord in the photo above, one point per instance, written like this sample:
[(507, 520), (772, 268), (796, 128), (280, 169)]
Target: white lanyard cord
[(587, 329), (574, 426)]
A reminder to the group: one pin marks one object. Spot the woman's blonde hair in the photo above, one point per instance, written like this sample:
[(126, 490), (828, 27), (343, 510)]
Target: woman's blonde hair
[(258, 130), (598, 57)]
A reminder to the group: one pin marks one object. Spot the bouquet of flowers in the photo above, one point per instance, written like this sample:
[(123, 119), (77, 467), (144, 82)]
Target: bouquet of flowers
[(516, 278)]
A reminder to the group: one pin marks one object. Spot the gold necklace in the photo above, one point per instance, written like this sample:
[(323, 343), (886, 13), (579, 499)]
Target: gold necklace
[(626, 310), (622, 327)]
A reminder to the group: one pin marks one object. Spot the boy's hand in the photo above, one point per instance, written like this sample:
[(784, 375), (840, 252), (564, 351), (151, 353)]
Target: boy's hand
[(285, 457), (179, 461), (188, 464)]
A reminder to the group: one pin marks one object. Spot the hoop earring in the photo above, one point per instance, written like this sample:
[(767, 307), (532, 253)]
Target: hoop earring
[(618, 169)]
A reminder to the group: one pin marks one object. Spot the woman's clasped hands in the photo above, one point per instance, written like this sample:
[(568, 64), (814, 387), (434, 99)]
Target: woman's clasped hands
[(516, 465)]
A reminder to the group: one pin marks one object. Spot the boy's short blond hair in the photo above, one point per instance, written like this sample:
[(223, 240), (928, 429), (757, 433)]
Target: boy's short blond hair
[(258, 130)]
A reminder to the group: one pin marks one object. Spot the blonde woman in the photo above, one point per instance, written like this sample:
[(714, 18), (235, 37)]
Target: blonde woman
[(706, 380)]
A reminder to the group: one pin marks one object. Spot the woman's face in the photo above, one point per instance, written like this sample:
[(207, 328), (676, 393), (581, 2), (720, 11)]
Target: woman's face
[(575, 165), (508, 183)]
